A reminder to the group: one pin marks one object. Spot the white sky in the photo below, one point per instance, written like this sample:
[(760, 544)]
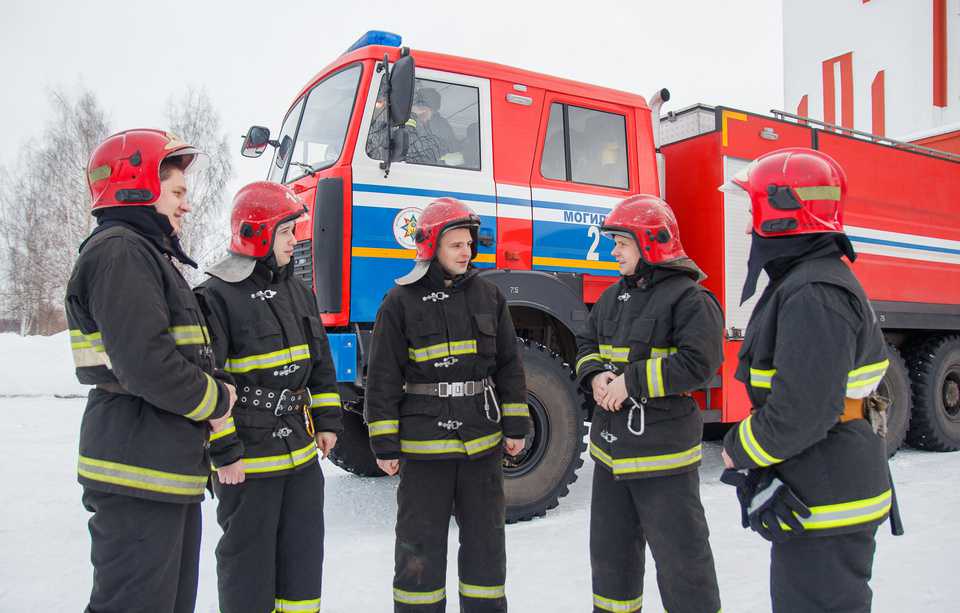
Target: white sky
[(253, 57)]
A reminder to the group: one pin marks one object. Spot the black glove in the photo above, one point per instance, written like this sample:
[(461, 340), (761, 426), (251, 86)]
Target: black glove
[(773, 512), (746, 484)]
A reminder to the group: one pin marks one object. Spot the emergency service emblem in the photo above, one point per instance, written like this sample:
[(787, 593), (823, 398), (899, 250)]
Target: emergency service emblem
[(405, 227)]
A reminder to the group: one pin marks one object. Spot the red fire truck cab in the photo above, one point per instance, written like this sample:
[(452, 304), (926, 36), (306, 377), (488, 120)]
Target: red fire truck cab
[(382, 131)]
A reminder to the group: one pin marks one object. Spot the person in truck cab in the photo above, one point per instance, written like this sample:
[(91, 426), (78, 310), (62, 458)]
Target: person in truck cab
[(445, 387), (267, 334)]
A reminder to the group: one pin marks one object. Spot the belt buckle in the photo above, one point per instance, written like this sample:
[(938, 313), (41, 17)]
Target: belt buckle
[(456, 388), (443, 389), (470, 388), (278, 410)]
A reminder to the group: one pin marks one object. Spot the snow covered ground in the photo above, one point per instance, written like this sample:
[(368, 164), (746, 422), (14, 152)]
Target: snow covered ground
[(44, 546)]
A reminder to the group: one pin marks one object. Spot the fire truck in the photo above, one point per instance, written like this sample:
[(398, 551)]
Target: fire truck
[(382, 131)]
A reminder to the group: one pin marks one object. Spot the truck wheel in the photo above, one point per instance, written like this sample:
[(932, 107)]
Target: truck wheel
[(895, 386), (536, 480), (935, 370), (352, 452)]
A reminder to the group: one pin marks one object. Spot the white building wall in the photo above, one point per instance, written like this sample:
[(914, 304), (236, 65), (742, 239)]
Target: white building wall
[(891, 35)]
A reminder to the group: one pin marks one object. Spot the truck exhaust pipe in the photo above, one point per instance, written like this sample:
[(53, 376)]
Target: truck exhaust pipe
[(657, 100)]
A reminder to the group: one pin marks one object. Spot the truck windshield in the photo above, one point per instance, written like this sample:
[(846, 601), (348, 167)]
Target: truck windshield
[(322, 130)]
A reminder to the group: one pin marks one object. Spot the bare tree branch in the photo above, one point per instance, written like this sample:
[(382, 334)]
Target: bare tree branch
[(45, 211), (205, 233)]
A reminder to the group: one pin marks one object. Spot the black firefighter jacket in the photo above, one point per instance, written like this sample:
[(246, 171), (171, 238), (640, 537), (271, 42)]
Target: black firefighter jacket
[(429, 333), (664, 332), (267, 334), (813, 341), (136, 326)]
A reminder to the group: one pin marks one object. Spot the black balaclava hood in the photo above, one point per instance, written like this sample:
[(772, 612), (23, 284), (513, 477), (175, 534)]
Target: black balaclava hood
[(146, 221), (778, 254)]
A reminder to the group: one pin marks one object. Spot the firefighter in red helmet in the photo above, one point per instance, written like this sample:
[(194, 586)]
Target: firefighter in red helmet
[(137, 335), (816, 481), (445, 386), (267, 334), (651, 339)]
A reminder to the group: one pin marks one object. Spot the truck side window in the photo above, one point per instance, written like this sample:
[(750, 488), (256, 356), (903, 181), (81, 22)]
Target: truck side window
[(443, 130), (585, 146)]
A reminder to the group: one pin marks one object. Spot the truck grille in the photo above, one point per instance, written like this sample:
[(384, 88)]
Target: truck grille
[(303, 262)]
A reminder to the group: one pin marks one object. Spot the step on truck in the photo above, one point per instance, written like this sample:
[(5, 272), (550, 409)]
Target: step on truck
[(382, 131)]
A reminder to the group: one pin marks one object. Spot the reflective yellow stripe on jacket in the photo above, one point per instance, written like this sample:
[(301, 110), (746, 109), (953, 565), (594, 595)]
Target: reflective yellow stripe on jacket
[(384, 426), (647, 464), (750, 444), (284, 461), (189, 335), (617, 606), (844, 514), (230, 429), (281, 605), (515, 409), (140, 478), (614, 354), (590, 357), (324, 400), (860, 381), (208, 403), (405, 597), (88, 349), (452, 445), (442, 350), (268, 360)]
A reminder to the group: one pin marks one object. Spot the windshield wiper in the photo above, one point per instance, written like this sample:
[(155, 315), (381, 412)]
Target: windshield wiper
[(310, 169)]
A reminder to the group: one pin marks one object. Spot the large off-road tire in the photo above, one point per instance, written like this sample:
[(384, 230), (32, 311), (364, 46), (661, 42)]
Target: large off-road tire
[(352, 452), (935, 373), (536, 480), (895, 386)]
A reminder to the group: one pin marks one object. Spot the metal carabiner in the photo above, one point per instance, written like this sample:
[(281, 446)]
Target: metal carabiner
[(488, 389), (643, 417)]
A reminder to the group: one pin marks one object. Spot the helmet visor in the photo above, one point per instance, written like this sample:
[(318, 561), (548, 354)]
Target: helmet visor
[(733, 185), (190, 160)]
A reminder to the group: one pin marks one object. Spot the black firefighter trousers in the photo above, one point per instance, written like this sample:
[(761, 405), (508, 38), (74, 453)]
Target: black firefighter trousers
[(826, 573), (430, 490), (145, 554), (665, 512), (270, 556)]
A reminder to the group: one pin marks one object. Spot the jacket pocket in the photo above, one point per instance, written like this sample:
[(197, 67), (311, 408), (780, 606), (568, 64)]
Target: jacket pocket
[(315, 328), (261, 328), (414, 404), (608, 328), (486, 333)]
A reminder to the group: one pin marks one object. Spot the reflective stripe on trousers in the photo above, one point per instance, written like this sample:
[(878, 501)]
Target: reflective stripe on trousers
[(647, 464)]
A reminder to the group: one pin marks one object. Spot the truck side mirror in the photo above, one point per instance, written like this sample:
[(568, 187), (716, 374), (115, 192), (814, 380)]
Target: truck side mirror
[(286, 146), (485, 237), (255, 142), (401, 90)]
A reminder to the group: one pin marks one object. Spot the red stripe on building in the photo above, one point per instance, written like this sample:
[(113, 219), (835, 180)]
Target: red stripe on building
[(876, 102), (803, 107), (846, 90), (940, 53)]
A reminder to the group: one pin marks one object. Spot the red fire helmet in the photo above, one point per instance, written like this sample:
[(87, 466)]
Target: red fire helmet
[(649, 221), (124, 170), (793, 191), (258, 208), (440, 215)]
